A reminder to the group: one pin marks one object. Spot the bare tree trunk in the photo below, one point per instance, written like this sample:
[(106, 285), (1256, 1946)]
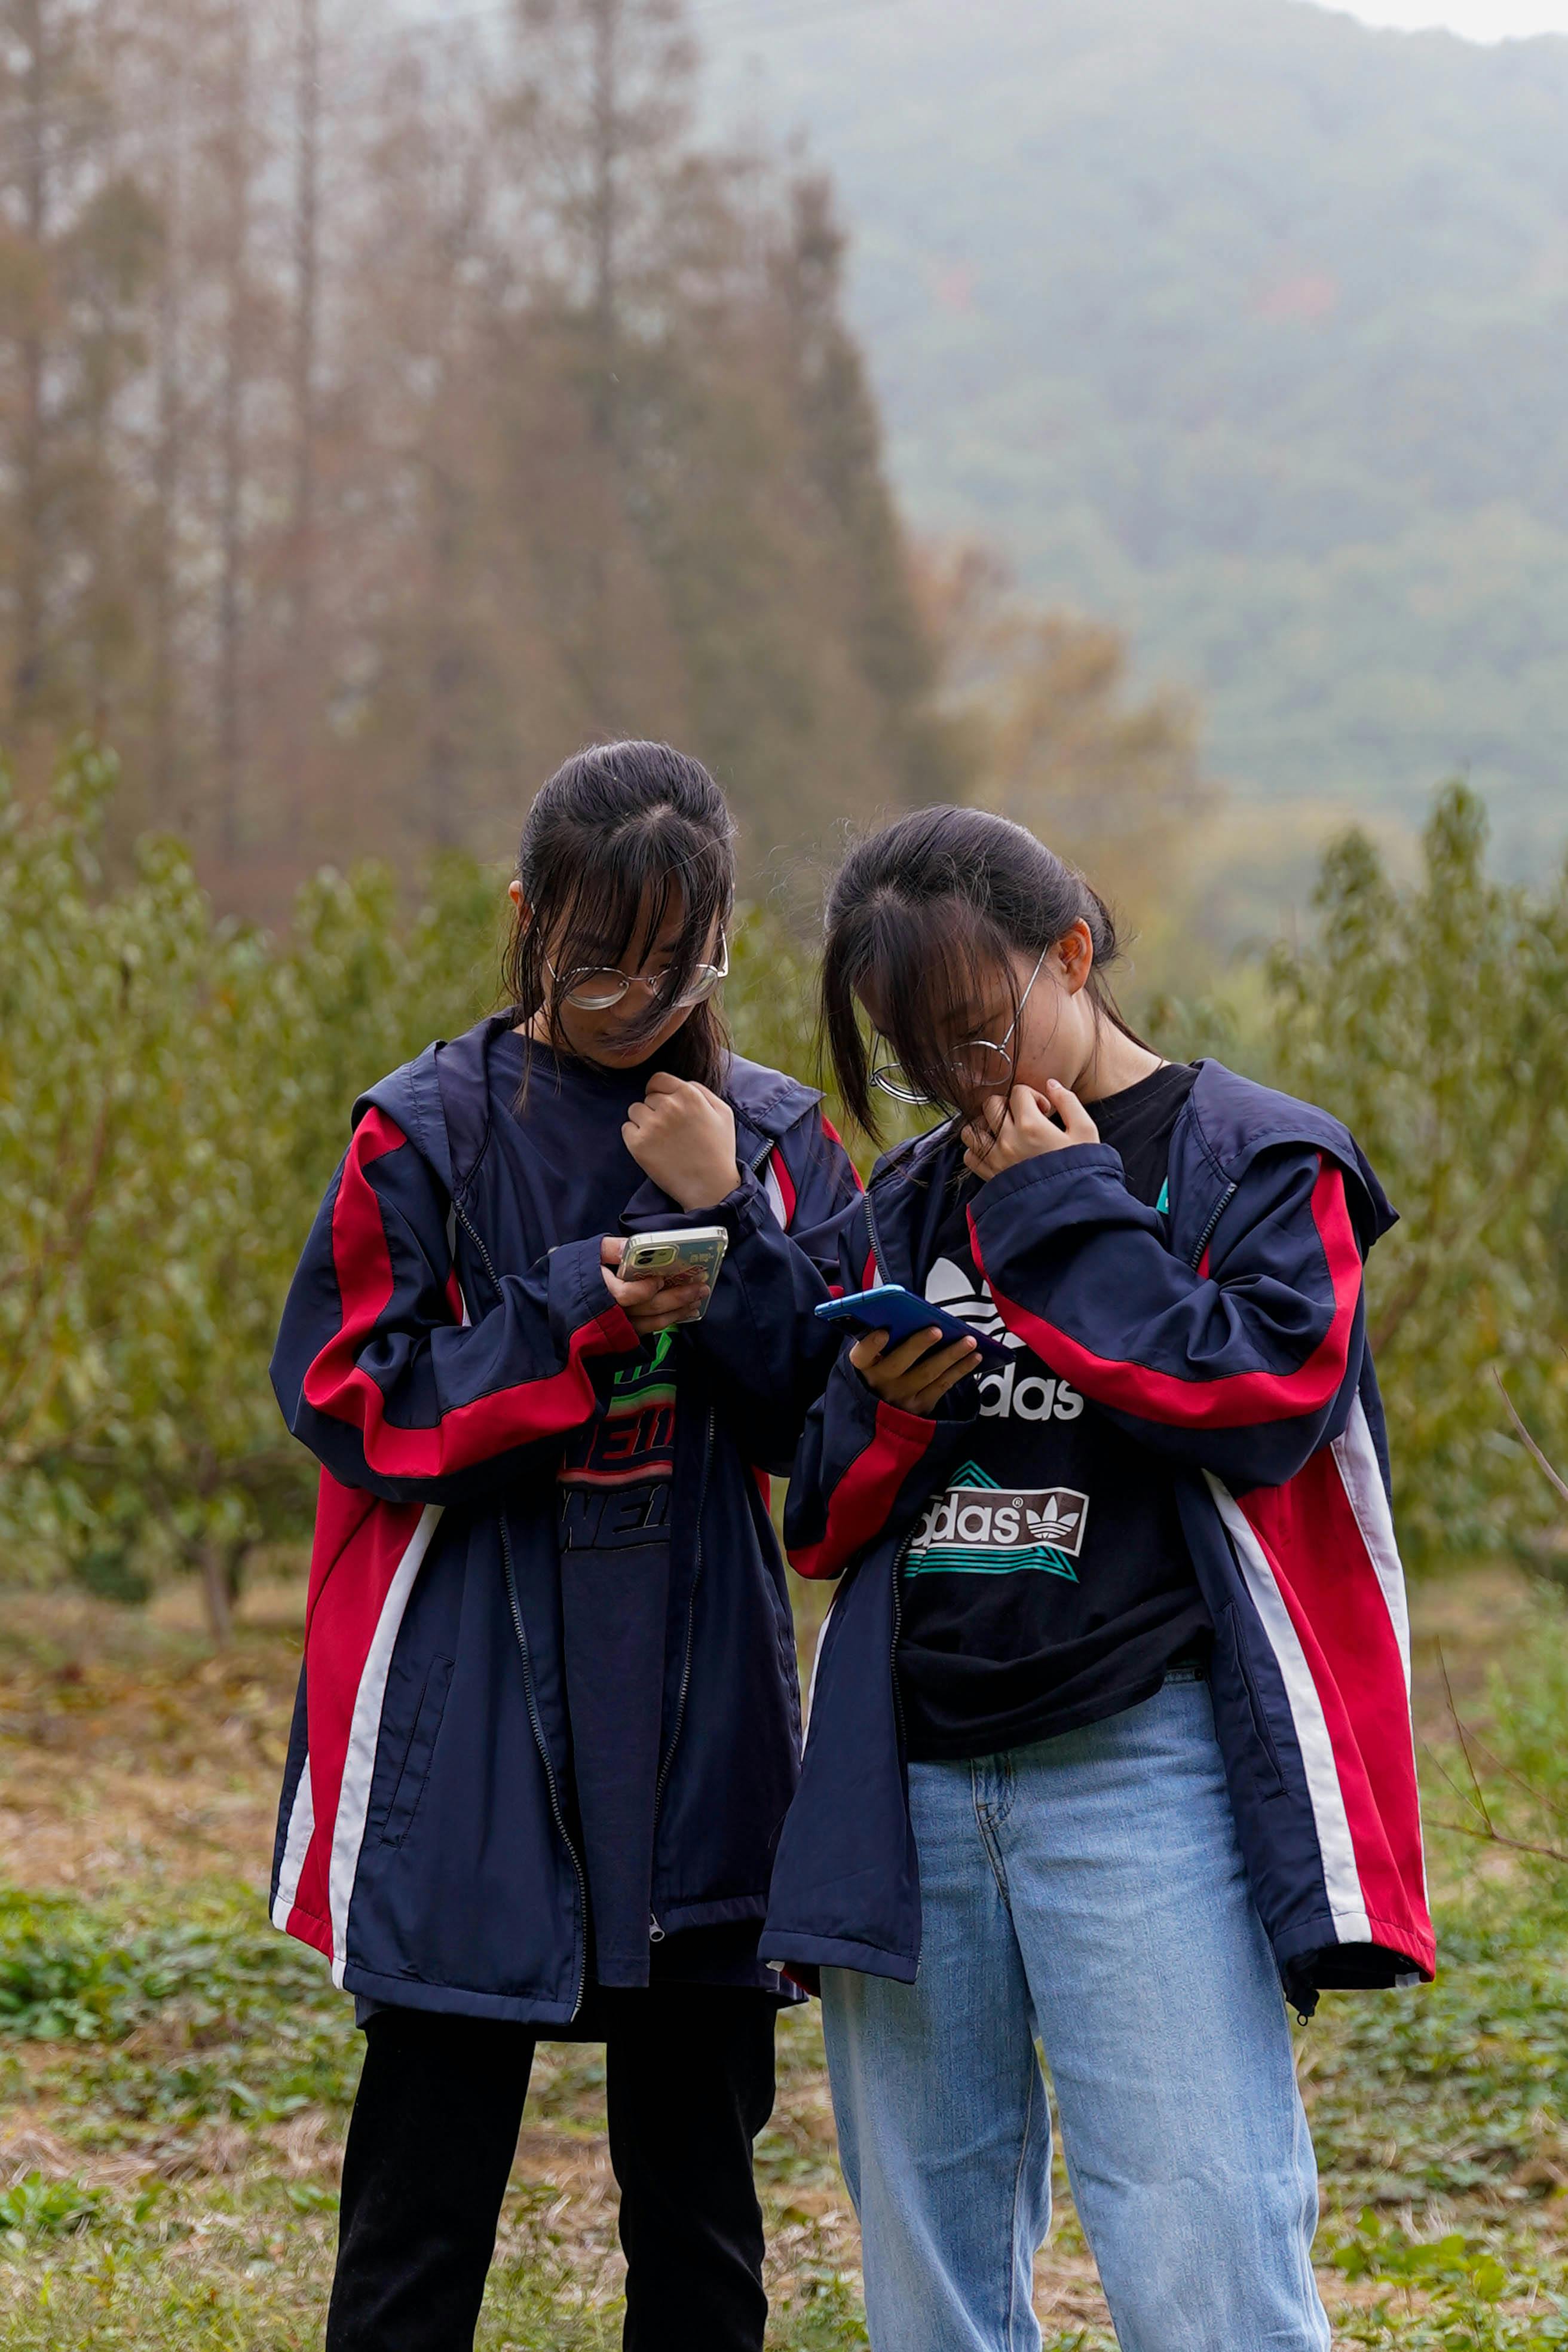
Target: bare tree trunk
[(606, 19), (231, 432), (28, 676), (443, 779), (307, 292), (166, 470), (217, 1592)]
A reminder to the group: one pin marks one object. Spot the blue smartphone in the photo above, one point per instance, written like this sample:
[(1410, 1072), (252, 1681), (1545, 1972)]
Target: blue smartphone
[(899, 1312)]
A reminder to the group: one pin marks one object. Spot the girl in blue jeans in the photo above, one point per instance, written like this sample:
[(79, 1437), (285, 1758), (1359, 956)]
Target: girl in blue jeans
[(1109, 1745)]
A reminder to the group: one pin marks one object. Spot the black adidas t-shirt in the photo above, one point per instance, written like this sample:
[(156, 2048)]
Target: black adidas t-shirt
[(1050, 1584)]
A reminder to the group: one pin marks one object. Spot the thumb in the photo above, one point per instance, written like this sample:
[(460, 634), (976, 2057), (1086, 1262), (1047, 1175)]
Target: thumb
[(1075, 1121)]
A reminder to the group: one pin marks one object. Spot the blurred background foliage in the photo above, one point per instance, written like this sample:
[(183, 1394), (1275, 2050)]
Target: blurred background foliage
[(390, 404), (174, 1089)]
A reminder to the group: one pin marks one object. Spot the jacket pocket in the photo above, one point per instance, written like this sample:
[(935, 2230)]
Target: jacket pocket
[(1232, 1672), (417, 1756)]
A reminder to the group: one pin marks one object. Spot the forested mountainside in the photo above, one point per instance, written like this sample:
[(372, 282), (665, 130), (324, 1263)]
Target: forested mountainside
[(1240, 325)]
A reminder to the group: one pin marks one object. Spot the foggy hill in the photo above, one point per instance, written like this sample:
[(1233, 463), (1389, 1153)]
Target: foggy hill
[(1238, 322)]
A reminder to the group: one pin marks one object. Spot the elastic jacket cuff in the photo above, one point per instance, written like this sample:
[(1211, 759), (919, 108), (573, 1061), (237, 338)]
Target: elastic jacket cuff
[(578, 1294), (740, 1213), (1051, 1176), (893, 1421)]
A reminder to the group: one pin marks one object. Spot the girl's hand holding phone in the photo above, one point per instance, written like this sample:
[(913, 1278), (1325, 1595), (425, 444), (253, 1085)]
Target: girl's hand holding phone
[(1021, 1127), (654, 1302), (916, 1374), (683, 1136)]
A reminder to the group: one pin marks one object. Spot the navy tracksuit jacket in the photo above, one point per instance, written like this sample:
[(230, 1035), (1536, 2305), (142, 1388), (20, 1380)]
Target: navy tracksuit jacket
[(1225, 1329), (436, 1357)]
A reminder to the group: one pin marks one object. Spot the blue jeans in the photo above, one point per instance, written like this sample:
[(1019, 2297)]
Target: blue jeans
[(1088, 1891)]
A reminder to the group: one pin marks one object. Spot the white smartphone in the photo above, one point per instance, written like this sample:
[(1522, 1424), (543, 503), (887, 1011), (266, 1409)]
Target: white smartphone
[(703, 1246)]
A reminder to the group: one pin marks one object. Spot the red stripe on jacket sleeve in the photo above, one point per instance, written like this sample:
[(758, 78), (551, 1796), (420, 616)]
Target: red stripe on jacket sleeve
[(335, 1385), (860, 1503), (1226, 1400)]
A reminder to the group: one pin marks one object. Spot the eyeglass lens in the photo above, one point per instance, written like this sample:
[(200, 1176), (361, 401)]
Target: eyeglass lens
[(976, 1064), (596, 991)]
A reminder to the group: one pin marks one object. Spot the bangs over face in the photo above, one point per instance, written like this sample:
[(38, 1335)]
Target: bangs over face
[(925, 923), (929, 978), (624, 841)]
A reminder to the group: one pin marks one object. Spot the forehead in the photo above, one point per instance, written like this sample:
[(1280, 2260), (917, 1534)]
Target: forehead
[(962, 1007), (600, 931)]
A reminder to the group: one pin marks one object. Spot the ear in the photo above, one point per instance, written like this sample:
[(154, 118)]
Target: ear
[(1073, 956), (514, 892)]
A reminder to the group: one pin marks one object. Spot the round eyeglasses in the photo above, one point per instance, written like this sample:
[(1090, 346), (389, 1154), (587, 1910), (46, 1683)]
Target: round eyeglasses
[(593, 990), (977, 1065)]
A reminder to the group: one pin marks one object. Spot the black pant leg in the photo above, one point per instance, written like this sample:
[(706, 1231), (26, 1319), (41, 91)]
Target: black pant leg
[(430, 2147), (690, 2084)]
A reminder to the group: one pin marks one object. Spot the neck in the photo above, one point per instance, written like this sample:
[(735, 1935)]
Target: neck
[(1115, 1062)]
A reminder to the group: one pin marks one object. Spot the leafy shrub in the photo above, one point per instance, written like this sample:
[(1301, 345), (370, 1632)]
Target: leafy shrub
[(174, 1093), (1434, 1021), (63, 1978), (36, 2207)]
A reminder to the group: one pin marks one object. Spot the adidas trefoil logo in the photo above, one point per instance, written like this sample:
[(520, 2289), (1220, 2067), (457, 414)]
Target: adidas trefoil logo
[(1011, 1391), (947, 1284), (979, 1528), (1056, 1523)]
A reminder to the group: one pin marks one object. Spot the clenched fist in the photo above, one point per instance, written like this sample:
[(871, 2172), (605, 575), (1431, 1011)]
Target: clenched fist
[(684, 1138)]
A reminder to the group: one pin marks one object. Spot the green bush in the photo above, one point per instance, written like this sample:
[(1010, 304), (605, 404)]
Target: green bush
[(174, 1093), (1433, 1018)]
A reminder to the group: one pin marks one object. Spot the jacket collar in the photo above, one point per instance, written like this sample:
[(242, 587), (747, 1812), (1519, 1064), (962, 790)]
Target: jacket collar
[(441, 1100), (1225, 1123)]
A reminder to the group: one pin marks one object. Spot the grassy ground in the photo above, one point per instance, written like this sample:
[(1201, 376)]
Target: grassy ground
[(175, 2076)]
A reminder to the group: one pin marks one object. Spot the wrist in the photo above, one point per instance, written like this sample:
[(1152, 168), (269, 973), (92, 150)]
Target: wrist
[(691, 1198)]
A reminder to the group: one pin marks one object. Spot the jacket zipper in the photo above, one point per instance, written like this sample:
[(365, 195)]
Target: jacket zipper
[(467, 1225), (903, 1550), (656, 1933), (1203, 1239), (539, 1740), (559, 1816), (871, 1230), (898, 1559)]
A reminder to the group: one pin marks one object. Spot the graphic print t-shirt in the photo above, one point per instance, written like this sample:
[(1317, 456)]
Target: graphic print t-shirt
[(614, 1489), (1049, 1585)]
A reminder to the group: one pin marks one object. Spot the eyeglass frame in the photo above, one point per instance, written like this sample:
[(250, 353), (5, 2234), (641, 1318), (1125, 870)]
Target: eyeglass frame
[(885, 1085), (715, 975)]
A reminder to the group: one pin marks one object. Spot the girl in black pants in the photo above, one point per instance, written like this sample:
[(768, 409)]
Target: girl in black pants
[(548, 1724), (689, 2084)]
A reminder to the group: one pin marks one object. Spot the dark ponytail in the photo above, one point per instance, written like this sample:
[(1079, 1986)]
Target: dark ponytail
[(619, 834), (921, 916)]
